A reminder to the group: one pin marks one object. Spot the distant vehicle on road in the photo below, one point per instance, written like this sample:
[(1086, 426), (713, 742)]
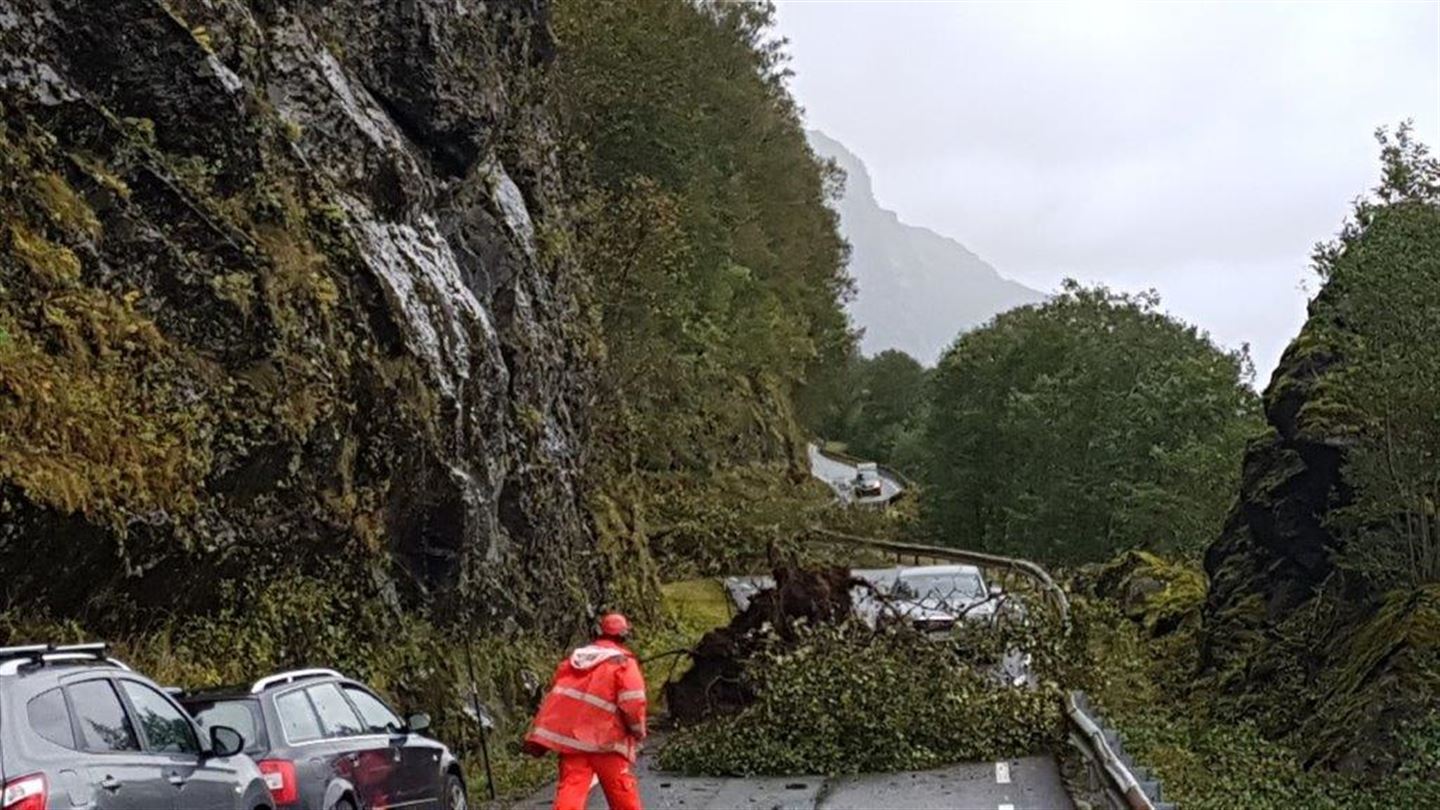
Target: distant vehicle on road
[(932, 598), (81, 730), (325, 742), (867, 480)]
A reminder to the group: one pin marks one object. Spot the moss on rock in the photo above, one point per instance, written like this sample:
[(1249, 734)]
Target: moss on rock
[(1320, 622)]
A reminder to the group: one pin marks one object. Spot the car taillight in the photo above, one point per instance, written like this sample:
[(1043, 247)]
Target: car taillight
[(25, 793), (280, 778)]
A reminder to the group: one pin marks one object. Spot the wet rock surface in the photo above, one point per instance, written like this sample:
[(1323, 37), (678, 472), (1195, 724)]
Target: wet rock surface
[(327, 220), (1275, 551)]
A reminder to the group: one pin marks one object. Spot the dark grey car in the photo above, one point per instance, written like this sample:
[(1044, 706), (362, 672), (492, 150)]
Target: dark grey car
[(80, 730), (325, 742)]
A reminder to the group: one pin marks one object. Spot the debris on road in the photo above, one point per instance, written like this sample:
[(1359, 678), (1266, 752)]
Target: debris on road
[(715, 683)]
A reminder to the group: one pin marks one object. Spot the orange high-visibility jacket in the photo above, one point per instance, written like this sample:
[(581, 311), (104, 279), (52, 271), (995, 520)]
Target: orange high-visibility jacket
[(596, 703)]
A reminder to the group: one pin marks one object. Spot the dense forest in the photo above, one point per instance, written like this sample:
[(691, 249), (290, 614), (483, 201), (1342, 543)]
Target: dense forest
[(1066, 431), (717, 265), (1084, 426)]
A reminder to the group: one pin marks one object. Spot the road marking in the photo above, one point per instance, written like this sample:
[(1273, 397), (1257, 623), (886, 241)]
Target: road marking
[(1007, 807), (1002, 775)]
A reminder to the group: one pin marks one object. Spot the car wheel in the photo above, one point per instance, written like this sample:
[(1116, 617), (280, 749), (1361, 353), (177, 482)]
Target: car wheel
[(455, 793)]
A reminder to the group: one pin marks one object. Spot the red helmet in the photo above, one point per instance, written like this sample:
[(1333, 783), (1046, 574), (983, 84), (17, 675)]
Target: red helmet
[(614, 624)]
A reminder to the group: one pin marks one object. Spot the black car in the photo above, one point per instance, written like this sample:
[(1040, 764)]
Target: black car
[(80, 730), (325, 742)]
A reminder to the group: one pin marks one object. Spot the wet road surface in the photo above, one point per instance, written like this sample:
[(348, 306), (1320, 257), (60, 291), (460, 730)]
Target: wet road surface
[(1030, 783), (840, 475)]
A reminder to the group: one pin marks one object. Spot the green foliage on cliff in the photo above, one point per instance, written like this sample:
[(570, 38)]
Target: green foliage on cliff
[(874, 406), (1144, 657), (1086, 425), (91, 416), (1379, 316), (293, 297), (716, 263), (1324, 617)]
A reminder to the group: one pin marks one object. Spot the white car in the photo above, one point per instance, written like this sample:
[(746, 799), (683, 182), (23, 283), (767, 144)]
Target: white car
[(867, 481), (931, 597)]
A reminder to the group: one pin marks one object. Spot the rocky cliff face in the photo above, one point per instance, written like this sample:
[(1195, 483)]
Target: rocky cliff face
[(1322, 620), (1275, 551), (280, 290)]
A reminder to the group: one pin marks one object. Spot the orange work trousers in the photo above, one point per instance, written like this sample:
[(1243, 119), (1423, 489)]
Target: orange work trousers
[(617, 779)]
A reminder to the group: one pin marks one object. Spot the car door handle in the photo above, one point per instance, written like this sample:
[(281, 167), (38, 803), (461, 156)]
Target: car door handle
[(110, 783)]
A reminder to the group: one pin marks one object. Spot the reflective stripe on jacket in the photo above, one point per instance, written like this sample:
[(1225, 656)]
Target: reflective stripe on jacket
[(596, 703)]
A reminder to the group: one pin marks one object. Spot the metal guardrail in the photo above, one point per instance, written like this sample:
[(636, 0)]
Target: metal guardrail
[(1108, 769)]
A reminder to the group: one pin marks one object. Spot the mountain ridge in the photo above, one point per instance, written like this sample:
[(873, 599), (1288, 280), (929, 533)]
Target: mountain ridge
[(917, 289)]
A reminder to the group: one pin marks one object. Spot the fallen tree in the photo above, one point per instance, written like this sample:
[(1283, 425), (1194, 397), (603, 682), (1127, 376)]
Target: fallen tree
[(716, 682), (797, 684)]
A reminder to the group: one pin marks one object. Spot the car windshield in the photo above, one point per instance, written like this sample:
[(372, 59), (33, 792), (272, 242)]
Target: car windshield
[(941, 586), (237, 714), (868, 475)]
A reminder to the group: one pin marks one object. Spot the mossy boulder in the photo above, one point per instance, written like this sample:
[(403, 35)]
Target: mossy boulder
[(1162, 595)]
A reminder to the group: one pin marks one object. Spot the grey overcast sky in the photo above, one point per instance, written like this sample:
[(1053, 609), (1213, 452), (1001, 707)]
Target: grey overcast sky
[(1200, 149)]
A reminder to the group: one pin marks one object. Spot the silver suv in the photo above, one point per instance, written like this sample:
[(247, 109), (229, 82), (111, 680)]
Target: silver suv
[(81, 730)]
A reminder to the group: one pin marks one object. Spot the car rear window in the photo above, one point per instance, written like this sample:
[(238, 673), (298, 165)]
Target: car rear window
[(50, 717), (336, 716), (297, 718), (241, 715), (103, 722)]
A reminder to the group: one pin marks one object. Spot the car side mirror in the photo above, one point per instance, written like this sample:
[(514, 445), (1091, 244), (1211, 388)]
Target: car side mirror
[(417, 723), (996, 592), (225, 741)]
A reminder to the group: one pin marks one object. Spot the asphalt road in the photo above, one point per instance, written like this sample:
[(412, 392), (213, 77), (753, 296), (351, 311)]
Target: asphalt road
[(1031, 783), (840, 475)]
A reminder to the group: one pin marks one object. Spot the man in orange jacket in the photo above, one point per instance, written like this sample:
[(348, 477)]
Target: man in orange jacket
[(594, 718)]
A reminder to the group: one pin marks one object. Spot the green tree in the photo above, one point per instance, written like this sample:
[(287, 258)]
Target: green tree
[(1083, 426), (869, 404), (718, 267), (1380, 314)]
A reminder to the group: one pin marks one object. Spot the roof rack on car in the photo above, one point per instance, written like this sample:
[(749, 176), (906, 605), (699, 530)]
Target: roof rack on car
[(13, 658), (290, 677), (26, 651)]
